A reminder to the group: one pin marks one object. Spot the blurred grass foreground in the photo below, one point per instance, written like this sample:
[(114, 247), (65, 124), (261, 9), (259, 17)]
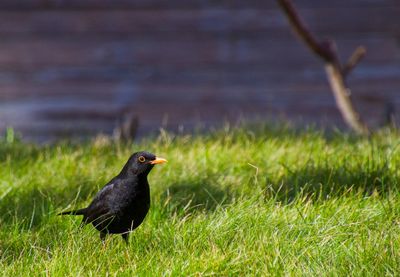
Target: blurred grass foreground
[(255, 200)]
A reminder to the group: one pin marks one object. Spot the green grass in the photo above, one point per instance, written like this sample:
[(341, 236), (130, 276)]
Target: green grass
[(247, 201)]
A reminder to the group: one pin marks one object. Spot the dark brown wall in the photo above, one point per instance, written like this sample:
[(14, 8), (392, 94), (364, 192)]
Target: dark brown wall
[(72, 67)]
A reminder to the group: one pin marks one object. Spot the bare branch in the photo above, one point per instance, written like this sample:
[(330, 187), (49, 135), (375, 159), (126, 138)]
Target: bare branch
[(354, 59), (343, 100), (326, 50), (304, 34)]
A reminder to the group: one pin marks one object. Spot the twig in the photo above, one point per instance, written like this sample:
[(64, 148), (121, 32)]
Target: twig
[(354, 59)]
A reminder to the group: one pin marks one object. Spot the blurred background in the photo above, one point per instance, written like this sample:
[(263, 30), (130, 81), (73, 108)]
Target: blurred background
[(72, 68)]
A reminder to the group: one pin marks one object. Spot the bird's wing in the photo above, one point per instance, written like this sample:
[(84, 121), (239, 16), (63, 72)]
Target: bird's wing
[(100, 206)]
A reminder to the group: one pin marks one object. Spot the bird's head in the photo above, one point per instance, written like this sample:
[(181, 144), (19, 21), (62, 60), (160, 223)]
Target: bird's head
[(141, 163)]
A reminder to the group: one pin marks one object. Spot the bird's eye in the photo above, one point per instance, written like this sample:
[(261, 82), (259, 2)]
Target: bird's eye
[(142, 159)]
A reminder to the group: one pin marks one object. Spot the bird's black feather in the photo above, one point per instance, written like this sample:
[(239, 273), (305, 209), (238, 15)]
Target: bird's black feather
[(74, 212)]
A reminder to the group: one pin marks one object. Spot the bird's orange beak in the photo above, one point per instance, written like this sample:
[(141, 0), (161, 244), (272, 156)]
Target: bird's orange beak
[(158, 161)]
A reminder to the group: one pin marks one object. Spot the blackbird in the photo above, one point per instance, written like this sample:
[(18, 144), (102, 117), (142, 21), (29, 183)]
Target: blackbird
[(122, 204)]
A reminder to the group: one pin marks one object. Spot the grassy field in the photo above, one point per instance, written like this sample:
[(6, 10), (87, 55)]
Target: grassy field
[(250, 201)]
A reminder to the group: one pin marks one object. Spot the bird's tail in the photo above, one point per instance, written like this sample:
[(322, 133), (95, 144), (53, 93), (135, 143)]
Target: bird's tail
[(74, 212)]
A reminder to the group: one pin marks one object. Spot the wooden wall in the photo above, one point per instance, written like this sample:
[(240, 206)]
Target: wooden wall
[(70, 67)]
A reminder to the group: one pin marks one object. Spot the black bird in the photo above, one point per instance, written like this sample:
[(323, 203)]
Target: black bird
[(122, 204)]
